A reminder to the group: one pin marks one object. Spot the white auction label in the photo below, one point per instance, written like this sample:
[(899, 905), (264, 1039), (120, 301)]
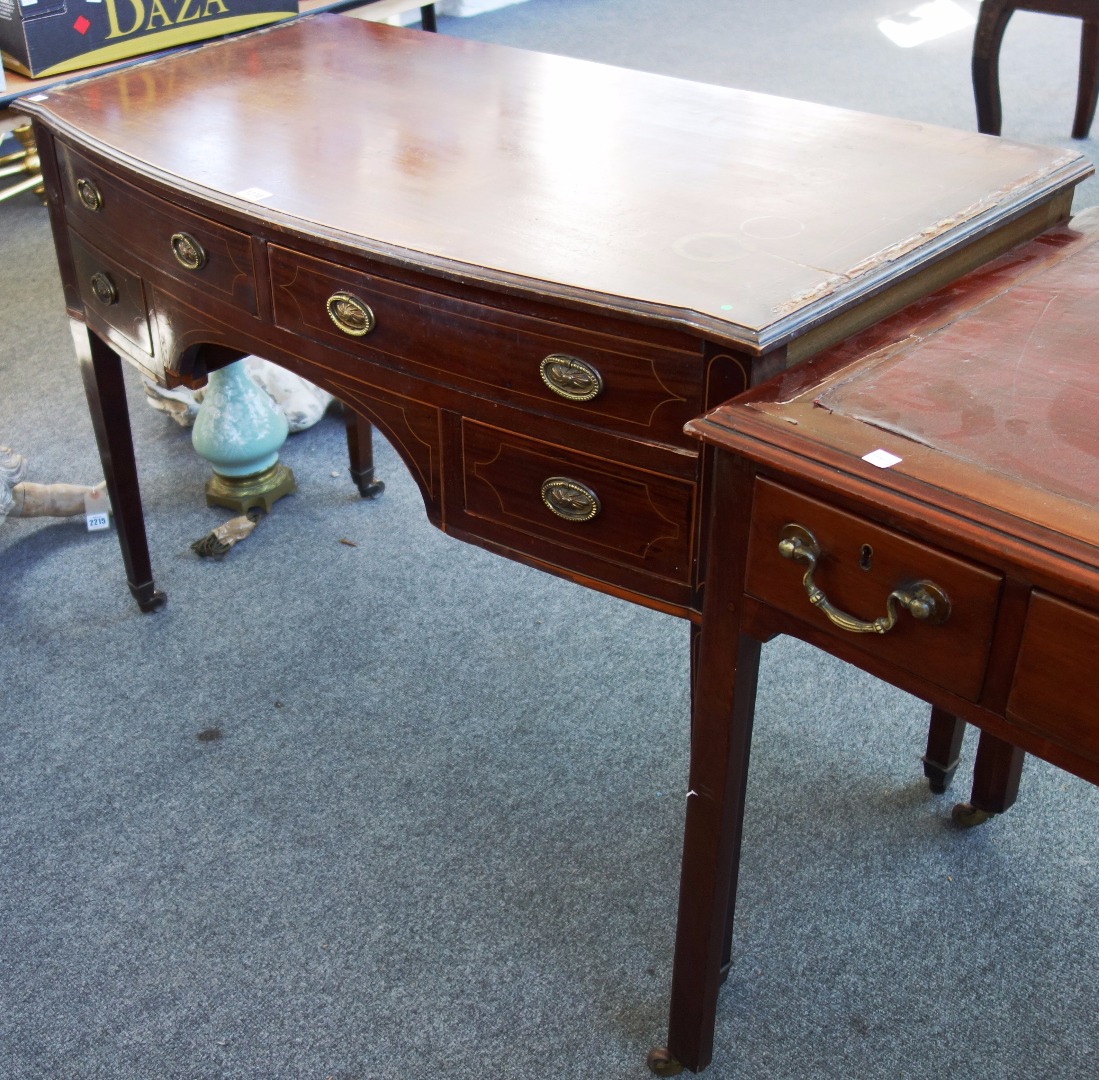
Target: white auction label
[(97, 510), (882, 458)]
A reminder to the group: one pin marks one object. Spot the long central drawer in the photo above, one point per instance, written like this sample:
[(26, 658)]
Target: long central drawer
[(616, 383)]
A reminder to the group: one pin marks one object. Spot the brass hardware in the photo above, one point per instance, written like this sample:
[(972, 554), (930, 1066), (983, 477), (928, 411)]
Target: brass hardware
[(350, 314), (89, 195), (570, 377), (104, 288), (923, 600), (243, 493), (570, 499), (189, 253)]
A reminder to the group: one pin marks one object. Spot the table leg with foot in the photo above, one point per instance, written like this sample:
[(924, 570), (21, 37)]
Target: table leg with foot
[(996, 774), (721, 734), (101, 370), (360, 452), (944, 744)]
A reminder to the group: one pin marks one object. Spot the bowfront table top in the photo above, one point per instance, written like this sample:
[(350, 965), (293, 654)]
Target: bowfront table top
[(529, 272), (744, 216)]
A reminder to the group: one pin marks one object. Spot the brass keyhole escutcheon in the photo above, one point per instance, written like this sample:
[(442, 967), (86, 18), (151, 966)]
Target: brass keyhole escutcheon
[(350, 314), (189, 253), (570, 377), (104, 289), (88, 194), (569, 499)]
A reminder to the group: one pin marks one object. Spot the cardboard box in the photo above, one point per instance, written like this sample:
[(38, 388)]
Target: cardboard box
[(47, 37)]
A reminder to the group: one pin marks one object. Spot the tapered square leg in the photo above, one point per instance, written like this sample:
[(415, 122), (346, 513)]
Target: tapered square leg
[(101, 370), (360, 452), (944, 746)]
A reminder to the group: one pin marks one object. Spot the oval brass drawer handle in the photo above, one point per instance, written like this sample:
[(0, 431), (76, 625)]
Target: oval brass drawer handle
[(189, 253), (924, 600), (88, 194), (350, 314), (104, 288), (570, 377), (569, 499)]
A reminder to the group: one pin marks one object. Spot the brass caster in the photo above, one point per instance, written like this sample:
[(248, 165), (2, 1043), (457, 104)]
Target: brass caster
[(662, 1063), (371, 489), (148, 597), (966, 815)]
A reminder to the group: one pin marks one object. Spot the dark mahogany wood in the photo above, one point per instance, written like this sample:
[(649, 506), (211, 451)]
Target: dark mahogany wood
[(360, 452), (945, 735), (996, 470), (101, 370), (992, 21), (489, 211)]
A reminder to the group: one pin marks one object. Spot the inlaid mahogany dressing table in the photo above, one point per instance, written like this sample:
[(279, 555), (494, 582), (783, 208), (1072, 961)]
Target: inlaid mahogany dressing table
[(529, 272)]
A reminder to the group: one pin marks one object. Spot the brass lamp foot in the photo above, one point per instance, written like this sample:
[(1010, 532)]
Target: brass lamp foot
[(243, 493)]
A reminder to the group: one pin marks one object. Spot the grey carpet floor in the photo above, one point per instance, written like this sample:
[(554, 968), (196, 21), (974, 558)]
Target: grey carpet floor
[(439, 833)]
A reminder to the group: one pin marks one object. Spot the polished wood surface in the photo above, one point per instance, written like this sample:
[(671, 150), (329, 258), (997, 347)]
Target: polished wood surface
[(743, 215), (994, 496), (528, 272)]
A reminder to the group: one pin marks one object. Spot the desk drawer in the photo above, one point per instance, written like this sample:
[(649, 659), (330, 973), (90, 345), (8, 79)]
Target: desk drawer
[(538, 497), (1056, 686), (114, 299), (619, 384), (859, 566), (205, 255)]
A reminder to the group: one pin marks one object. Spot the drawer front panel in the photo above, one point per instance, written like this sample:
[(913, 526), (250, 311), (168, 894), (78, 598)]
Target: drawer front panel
[(207, 256), (112, 295), (860, 564), (1056, 685), (518, 487), (560, 370)]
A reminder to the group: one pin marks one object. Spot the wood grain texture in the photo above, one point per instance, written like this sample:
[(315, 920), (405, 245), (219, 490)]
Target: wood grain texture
[(749, 216)]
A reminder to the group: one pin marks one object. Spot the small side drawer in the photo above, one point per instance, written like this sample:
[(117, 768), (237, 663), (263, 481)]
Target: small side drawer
[(615, 383), (1056, 684), (518, 486), (859, 566), (112, 295), (205, 255)]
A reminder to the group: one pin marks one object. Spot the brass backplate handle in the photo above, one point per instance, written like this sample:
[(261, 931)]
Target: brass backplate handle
[(88, 194), (570, 377), (189, 253), (104, 288), (923, 600), (569, 499), (350, 314)]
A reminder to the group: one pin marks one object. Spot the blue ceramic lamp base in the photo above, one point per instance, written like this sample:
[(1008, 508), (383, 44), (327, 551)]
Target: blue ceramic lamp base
[(239, 431)]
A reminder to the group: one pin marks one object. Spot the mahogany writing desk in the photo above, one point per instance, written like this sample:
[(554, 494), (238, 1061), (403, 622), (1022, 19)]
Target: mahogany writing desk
[(528, 272), (963, 567)]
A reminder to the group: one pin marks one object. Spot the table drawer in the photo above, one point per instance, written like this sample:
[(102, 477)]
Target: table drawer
[(113, 297), (859, 565), (1056, 686), (520, 487), (203, 254), (619, 384)]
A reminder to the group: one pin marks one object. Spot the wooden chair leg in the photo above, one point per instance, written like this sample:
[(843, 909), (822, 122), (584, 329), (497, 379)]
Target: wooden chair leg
[(987, 39), (1088, 90)]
